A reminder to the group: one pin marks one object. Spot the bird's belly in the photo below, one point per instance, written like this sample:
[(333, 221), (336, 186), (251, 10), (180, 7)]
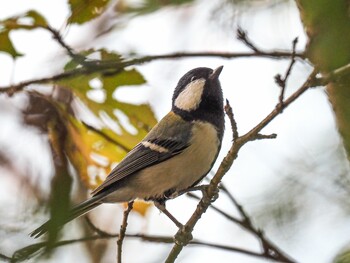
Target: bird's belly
[(176, 173)]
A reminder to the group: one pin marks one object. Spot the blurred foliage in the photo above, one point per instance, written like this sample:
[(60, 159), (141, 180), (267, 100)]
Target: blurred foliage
[(29, 20), (93, 149), (96, 148), (327, 25), (88, 148), (343, 257), (83, 11), (147, 6)]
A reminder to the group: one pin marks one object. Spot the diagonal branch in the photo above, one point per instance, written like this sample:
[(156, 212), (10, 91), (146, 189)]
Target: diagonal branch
[(224, 167)]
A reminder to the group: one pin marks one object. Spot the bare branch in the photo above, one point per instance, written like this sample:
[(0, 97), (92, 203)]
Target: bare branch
[(282, 82), (123, 230), (57, 36), (113, 67), (242, 36), (229, 113), (97, 230), (260, 136), (218, 210), (24, 253)]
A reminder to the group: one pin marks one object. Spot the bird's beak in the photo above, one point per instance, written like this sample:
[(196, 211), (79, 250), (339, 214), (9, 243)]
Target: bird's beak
[(216, 73)]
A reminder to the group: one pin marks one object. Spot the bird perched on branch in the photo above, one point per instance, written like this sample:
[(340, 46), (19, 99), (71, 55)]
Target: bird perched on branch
[(175, 155)]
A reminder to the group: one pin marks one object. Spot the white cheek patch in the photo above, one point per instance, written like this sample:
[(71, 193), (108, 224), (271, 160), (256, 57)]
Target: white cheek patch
[(190, 98), (155, 147)]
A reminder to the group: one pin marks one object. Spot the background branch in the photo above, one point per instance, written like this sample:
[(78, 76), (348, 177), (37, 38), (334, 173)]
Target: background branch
[(113, 67)]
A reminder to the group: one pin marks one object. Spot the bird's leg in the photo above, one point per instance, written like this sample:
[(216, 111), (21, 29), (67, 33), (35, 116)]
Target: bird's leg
[(161, 206)]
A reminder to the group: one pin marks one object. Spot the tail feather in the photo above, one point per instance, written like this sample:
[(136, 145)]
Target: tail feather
[(77, 211)]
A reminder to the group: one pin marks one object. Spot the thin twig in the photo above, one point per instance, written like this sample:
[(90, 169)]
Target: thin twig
[(282, 82), (57, 36), (260, 136), (97, 230), (218, 210), (242, 36), (123, 230), (229, 113), (232, 249), (268, 247), (106, 136)]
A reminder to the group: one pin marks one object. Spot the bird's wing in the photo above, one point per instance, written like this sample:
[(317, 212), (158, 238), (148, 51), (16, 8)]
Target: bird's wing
[(146, 153)]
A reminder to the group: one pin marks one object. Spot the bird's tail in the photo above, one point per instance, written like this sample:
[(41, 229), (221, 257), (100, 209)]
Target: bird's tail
[(77, 211)]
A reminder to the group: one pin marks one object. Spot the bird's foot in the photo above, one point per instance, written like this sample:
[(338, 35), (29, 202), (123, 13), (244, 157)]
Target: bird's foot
[(203, 188)]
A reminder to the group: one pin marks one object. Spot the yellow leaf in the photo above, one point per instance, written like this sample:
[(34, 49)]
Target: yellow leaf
[(140, 207), (88, 150)]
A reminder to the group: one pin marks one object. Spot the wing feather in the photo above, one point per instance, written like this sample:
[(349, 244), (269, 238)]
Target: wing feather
[(141, 157)]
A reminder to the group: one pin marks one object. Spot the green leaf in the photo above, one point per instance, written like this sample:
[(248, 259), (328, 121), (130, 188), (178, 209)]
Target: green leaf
[(86, 141), (7, 46), (39, 20), (35, 20), (148, 6), (18, 22), (85, 10), (125, 78)]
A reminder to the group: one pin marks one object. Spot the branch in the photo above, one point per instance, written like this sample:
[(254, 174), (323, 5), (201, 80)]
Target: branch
[(218, 210), (282, 82), (242, 36), (113, 67), (269, 249), (229, 113), (123, 230), (57, 36), (224, 167)]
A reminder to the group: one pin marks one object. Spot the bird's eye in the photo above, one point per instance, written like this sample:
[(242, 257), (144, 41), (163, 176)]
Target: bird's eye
[(193, 78)]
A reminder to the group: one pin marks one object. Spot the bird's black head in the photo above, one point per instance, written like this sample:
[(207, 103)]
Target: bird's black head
[(198, 96)]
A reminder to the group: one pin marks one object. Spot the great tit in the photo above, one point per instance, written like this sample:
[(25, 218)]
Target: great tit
[(174, 156)]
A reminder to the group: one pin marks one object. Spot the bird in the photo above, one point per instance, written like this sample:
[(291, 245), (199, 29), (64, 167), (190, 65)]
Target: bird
[(177, 153)]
